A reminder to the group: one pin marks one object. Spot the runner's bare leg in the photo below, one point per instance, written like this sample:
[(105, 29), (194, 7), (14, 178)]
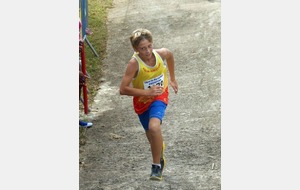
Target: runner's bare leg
[(155, 139)]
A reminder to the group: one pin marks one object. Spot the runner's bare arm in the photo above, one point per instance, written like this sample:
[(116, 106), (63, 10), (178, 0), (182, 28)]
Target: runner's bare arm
[(167, 55), (126, 89)]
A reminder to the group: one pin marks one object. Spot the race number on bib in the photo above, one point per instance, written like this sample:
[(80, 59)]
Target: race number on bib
[(155, 81)]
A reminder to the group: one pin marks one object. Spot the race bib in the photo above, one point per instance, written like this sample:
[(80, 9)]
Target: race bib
[(155, 81)]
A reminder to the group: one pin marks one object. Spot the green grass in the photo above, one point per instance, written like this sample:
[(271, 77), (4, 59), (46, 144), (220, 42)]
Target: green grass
[(97, 15)]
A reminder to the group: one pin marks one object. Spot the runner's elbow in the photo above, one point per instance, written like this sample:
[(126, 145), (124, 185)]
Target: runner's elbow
[(122, 91)]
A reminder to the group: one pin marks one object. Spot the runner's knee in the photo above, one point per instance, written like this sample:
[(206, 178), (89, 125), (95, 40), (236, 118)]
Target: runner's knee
[(154, 125)]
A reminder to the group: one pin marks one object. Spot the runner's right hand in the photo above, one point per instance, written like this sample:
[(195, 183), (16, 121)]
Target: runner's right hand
[(156, 90)]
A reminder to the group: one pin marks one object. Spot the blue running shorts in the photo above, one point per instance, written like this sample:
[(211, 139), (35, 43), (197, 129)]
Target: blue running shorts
[(156, 109)]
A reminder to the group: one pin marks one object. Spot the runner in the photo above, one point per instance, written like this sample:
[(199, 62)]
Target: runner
[(147, 72)]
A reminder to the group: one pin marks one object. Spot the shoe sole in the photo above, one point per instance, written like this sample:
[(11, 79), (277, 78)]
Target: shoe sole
[(156, 178)]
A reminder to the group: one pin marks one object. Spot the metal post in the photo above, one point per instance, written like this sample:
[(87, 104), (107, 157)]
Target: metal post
[(83, 68), (84, 21)]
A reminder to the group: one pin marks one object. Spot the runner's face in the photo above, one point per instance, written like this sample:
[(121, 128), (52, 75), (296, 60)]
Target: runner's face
[(145, 49)]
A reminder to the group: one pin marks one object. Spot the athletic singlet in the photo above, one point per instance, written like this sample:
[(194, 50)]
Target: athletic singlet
[(148, 76)]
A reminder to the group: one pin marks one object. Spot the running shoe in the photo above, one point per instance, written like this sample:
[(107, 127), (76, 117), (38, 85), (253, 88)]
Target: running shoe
[(156, 173), (85, 124)]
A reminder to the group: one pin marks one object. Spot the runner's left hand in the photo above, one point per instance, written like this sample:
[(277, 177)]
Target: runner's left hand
[(174, 85)]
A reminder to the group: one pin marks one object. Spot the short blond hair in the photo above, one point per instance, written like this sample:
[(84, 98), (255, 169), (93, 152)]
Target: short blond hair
[(138, 35)]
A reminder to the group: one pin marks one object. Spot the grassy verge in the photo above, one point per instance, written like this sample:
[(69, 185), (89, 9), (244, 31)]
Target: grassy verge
[(97, 15)]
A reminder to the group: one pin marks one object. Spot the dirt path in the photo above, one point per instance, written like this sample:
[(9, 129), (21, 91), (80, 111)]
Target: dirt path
[(117, 154)]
